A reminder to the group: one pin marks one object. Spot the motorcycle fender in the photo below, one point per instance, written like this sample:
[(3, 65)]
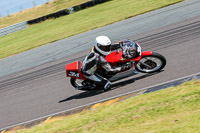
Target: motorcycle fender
[(146, 53), (74, 70)]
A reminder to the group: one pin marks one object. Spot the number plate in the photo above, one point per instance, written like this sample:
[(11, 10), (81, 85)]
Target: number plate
[(74, 74)]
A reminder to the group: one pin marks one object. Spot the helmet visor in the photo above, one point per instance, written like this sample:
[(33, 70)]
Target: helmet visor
[(104, 48)]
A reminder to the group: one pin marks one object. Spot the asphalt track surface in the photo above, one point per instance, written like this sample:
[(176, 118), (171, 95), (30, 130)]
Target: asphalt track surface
[(44, 90)]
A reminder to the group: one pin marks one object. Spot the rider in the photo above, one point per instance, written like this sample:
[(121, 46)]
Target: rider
[(96, 58)]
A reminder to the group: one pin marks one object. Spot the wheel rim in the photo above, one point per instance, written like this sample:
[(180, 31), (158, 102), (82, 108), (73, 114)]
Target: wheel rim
[(79, 82), (154, 64)]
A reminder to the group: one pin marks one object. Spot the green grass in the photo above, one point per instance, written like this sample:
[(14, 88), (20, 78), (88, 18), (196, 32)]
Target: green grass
[(76, 23), (174, 110), (32, 13)]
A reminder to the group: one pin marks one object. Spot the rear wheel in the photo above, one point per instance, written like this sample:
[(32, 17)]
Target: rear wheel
[(76, 82), (152, 63), (81, 84)]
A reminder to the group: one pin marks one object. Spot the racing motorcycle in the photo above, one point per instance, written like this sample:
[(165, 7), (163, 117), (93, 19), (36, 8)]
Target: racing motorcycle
[(147, 62)]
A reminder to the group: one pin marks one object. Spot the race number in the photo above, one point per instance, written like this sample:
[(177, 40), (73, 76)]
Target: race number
[(74, 74)]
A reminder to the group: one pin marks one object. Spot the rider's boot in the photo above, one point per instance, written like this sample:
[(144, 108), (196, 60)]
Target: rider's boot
[(107, 86), (135, 71)]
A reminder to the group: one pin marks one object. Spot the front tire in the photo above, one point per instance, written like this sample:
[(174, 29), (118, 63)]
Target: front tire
[(151, 63)]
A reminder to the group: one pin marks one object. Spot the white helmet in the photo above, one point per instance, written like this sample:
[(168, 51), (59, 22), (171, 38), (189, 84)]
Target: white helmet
[(102, 45)]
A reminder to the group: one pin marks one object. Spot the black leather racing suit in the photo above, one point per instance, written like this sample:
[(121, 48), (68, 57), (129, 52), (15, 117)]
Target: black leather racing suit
[(91, 63)]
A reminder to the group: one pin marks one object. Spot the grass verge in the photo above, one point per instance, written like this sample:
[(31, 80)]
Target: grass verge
[(175, 109), (76, 23), (38, 11)]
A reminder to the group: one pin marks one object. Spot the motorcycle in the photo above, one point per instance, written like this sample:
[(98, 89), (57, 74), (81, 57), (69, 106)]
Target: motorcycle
[(147, 62)]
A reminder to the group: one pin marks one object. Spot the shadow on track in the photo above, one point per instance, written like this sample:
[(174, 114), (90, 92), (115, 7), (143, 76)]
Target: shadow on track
[(129, 81), (114, 86), (83, 95)]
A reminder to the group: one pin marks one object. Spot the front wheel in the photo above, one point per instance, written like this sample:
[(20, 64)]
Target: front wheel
[(151, 63)]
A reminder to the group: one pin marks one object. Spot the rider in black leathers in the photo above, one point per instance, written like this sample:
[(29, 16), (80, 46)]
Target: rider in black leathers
[(96, 58)]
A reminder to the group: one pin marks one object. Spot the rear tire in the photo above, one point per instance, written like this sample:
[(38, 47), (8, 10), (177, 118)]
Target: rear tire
[(156, 62), (73, 82), (78, 84)]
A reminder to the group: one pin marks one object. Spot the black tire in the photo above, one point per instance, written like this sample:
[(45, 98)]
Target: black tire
[(74, 83), (154, 66)]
